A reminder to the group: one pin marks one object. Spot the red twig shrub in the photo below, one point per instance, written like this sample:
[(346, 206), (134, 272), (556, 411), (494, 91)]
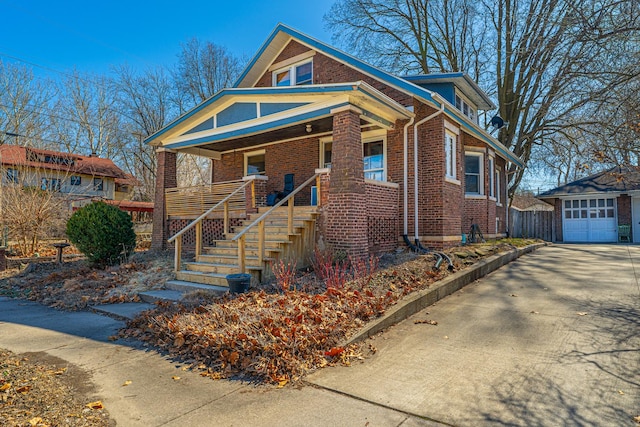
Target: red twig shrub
[(285, 274)]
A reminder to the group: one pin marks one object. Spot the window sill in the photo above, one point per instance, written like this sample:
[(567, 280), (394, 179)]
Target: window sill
[(493, 199), (452, 180), (475, 196), (499, 205)]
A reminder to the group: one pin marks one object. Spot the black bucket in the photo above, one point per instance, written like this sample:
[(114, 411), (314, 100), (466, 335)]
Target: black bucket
[(238, 283)]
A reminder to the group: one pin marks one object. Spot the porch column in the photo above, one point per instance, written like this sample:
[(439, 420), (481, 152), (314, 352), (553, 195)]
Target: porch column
[(165, 178), (346, 227)]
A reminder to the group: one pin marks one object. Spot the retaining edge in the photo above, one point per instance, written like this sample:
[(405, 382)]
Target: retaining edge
[(418, 301)]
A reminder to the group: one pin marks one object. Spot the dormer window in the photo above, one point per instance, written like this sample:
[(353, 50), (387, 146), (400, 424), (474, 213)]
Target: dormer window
[(294, 75), (466, 107)]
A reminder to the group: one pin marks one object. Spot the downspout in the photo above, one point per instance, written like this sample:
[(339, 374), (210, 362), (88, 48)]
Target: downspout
[(415, 168), (406, 177)]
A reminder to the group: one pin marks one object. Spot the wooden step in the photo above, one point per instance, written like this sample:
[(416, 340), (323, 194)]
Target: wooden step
[(251, 243), (233, 251), (205, 267), (215, 258), (285, 208), (253, 235)]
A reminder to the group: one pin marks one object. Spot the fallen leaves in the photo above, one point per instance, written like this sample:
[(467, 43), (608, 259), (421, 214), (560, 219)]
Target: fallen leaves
[(95, 405), (40, 394)]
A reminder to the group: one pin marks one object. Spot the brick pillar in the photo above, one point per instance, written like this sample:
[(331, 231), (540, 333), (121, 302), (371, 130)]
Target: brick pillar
[(346, 227), (165, 178), (258, 200)]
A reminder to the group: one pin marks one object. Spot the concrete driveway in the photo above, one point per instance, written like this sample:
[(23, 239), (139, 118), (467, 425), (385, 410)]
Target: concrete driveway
[(552, 339)]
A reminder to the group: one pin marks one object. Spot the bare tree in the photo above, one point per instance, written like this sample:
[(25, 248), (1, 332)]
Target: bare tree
[(203, 69), (550, 59)]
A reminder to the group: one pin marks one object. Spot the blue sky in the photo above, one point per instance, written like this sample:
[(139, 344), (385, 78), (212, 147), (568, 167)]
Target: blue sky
[(91, 36)]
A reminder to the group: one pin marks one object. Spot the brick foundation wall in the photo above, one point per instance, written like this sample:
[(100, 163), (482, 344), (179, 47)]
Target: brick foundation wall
[(382, 217)]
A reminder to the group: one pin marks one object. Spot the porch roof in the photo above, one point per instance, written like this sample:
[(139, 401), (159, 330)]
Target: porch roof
[(237, 118)]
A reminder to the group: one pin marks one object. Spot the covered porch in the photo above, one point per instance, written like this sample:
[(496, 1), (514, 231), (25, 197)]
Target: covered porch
[(331, 138)]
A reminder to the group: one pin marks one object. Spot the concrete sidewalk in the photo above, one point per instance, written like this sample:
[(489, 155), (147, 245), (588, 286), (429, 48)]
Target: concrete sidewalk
[(550, 339)]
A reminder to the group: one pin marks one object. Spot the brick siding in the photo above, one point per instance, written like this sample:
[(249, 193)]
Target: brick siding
[(165, 178), (382, 217)]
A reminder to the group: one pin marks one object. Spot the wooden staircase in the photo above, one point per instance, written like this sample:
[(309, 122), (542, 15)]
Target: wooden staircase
[(215, 262)]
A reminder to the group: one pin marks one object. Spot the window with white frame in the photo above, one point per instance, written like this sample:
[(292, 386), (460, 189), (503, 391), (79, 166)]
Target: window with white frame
[(374, 164), (473, 173), (98, 184), (450, 143), (373, 156), (466, 107), (492, 177), (294, 75), (497, 181), (76, 180), (254, 163)]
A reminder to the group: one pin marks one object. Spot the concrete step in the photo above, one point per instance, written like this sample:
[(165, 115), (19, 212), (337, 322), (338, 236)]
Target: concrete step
[(122, 311), (186, 287), (152, 297)]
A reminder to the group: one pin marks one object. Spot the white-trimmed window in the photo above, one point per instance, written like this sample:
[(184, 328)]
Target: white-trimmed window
[(294, 75), (473, 173), (254, 163), (450, 144), (497, 181), (98, 184), (492, 177), (76, 180), (374, 160), (374, 156), (467, 108)]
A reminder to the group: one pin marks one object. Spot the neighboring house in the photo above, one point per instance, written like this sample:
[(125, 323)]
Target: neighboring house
[(591, 209), (77, 177), (394, 155)]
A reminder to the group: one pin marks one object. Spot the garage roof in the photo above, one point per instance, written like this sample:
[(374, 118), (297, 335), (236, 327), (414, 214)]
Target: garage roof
[(619, 179)]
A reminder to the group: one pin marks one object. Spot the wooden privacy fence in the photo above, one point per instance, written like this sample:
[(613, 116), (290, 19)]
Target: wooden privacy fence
[(532, 224)]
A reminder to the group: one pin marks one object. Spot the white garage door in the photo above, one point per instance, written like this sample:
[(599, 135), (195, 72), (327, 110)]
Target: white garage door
[(590, 220)]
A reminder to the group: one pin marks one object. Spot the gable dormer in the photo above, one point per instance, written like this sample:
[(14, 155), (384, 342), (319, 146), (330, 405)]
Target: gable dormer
[(457, 88)]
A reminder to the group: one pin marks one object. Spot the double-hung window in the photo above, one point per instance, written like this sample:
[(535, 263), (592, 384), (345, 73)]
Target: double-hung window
[(492, 176), (373, 156), (466, 107), (98, 184), (473, 173), (294, 75), (450, 143), (254, 163)]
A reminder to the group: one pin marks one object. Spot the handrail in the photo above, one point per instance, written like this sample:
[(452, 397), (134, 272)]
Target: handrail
[(204, 215), (277, 205)]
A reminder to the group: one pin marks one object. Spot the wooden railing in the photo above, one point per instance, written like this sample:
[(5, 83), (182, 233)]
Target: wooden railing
[(197, 223), (260, 222), (192, 201)]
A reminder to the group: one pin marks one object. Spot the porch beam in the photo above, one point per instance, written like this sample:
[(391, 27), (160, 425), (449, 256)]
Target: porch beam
[(202, 152)]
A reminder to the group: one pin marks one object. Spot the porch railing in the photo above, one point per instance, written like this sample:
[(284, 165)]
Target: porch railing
[(225, 203), (192, 201), (260, 222)]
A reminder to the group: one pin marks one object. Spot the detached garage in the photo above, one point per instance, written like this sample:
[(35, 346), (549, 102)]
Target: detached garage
[(601, 208)]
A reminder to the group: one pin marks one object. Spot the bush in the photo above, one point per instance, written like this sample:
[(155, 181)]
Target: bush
[(102, 232)]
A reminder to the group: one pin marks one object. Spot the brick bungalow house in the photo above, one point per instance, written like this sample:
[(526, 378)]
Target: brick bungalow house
[(380, 156)]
